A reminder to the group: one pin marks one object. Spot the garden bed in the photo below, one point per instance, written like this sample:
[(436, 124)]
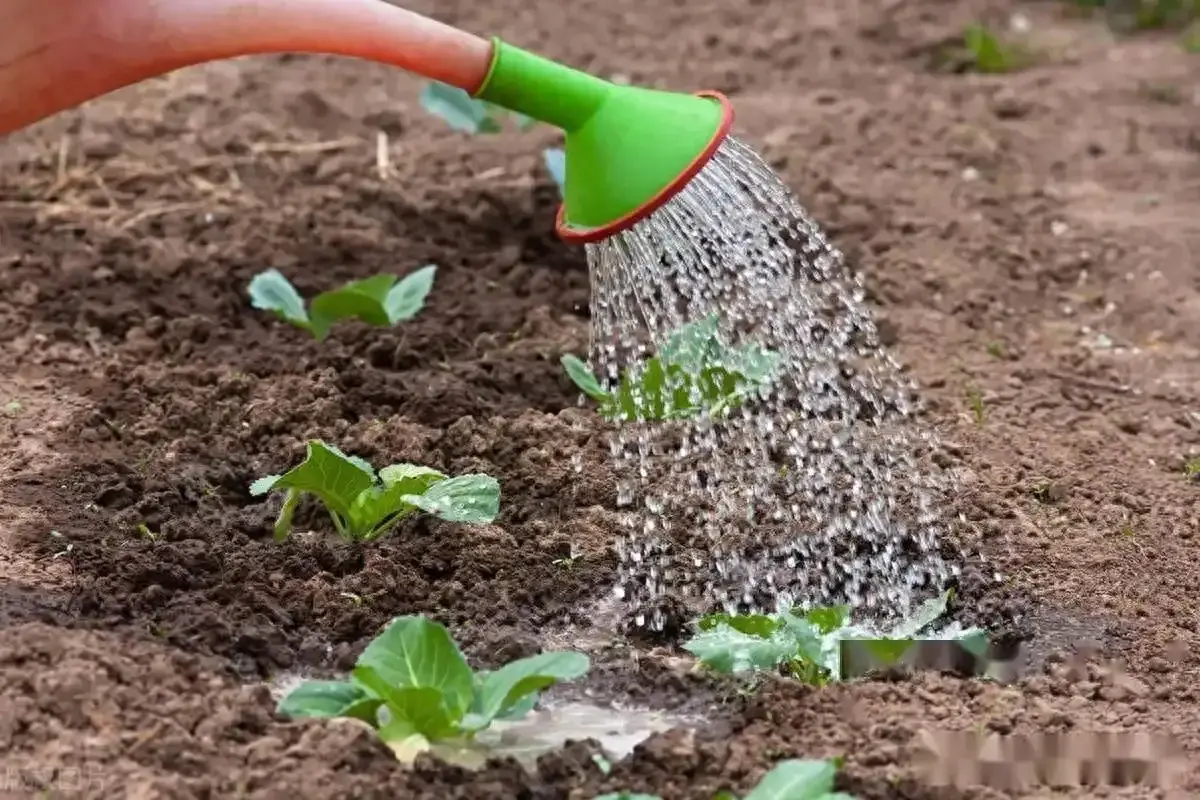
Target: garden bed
[(1029, 242)]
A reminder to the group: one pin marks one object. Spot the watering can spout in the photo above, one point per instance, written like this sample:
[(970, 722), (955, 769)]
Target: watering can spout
[(628, 149)]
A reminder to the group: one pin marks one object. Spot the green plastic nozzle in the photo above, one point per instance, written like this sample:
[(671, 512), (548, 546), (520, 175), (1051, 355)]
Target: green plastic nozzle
[(628, 149)]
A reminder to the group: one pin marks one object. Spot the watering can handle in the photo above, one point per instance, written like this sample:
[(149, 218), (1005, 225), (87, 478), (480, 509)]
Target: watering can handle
[(56, 54)]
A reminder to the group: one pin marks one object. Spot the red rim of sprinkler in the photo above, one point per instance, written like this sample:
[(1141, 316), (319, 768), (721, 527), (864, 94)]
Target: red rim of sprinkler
[(588, 235)]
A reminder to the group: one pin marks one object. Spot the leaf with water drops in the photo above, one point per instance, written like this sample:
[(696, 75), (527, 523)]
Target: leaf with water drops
[(467, 498), (584, 378), (694, 345), (385, 501), (691, 375), (759, 625), (729, 650)]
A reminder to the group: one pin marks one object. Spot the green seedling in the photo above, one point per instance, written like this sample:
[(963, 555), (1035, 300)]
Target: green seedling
[(415, 688), (975, 403), (794, 779), (12, 408), (693, 374), (807, 645), (991, 55), (1192, 468), (465, 113), (364, 506), (995, 349), (382, 300)]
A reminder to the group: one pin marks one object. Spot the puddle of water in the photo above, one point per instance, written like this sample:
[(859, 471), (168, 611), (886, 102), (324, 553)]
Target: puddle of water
[(618, 730), (543, 730)]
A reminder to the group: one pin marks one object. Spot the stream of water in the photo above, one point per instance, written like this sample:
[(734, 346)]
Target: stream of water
[(815, 491)]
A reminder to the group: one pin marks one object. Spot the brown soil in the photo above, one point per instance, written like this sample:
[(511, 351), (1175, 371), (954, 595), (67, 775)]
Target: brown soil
[(1029, 239)]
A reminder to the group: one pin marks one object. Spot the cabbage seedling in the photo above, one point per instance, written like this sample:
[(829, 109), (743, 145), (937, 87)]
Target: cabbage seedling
[(694, 373), (382, 300), (465, 113), (413, 685), (794, 779), (809, 644), (469, 115), (365, 506)]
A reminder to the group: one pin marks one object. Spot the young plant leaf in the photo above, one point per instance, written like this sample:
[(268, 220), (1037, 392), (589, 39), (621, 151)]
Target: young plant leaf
[(466, 498), (415, 652), (584, 378), (263, 485), (407, 297), (385, 503), (727, 649), (329, 699), (364, 300), (692, 374), (501, 690), (411, 709), (828, 619), (626, 796), (759, 625), (888, 652), (796, 779), (414, 687), (520, 708), (556, 164), (403, 743), (271, 291), (412, 478), (334, 477), (693, 346), (458, 109)]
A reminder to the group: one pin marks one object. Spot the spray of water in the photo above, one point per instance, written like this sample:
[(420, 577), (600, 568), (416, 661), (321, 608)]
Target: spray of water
[(812, 492)]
